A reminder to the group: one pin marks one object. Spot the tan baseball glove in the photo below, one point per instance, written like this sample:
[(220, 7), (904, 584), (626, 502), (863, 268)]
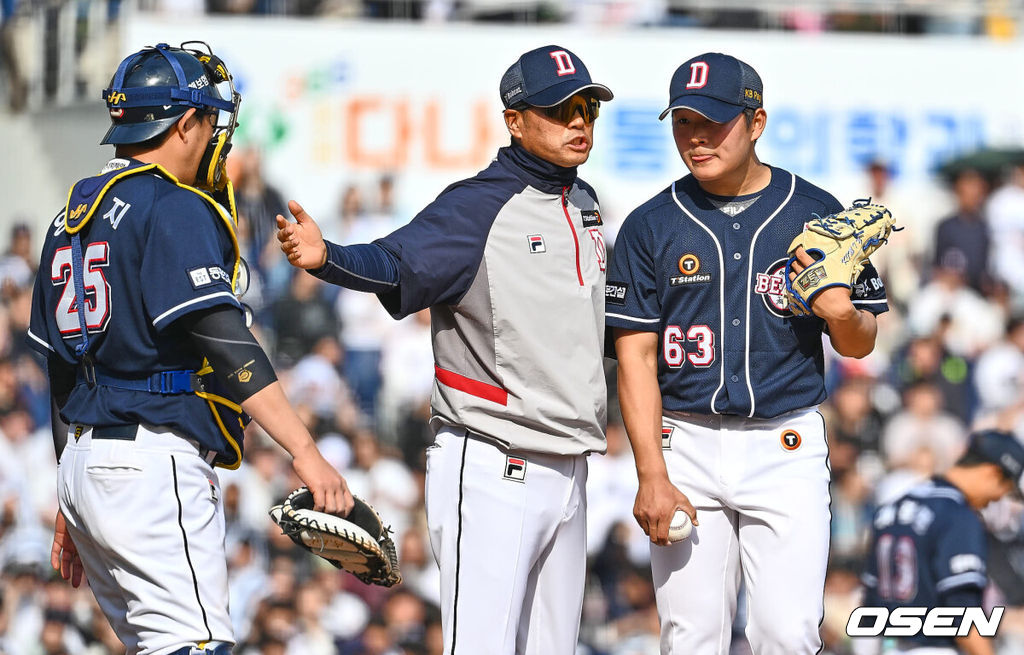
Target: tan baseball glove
[(358, 543), (840, 244)]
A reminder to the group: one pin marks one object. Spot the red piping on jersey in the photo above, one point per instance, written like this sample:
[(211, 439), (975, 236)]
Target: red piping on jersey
[(470, 386), (575, 239)]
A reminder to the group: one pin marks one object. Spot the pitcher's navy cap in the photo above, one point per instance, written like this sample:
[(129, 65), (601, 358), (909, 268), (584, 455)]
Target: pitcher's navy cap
[(547, 76), (1002, 449), (716, 86)]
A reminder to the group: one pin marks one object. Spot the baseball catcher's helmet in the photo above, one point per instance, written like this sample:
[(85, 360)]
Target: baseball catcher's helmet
[(155, 86)]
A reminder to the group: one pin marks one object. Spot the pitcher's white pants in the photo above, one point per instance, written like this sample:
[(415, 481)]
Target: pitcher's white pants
[(148, 522), (511, 544), (763, 508)]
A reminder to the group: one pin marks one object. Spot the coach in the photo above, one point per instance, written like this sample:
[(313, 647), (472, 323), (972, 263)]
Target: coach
[(518, 402)]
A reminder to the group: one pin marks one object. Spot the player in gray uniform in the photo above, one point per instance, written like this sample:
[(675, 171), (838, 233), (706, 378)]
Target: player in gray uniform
[(518, 402), (719, 382)]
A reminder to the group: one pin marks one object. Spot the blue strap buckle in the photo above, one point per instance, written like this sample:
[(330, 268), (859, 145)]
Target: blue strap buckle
[(172, 382)]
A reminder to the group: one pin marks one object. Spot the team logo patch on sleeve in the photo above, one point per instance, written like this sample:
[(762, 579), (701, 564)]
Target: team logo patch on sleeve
[(515, 469), (207, 275), (591, 218), (615, 293)]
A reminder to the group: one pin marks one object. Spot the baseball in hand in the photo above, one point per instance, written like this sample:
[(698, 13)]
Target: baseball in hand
[(680, 526)]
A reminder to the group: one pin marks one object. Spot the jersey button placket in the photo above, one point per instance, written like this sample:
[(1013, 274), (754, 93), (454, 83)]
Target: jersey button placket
[(737, 256)]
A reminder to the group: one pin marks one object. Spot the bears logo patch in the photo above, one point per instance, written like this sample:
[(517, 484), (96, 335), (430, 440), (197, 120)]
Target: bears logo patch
[(771, 286)]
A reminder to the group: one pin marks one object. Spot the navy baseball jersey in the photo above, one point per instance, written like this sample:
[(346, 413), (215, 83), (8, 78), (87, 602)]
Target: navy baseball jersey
[(706, 273), (153, 252), (928, 549)]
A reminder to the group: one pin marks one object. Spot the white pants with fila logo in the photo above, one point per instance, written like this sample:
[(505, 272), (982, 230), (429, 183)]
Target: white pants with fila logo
[(760, 487), (147, 518), (509, 533)]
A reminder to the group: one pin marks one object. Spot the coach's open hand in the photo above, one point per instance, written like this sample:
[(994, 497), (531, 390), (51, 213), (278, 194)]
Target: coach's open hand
[(301, 241)]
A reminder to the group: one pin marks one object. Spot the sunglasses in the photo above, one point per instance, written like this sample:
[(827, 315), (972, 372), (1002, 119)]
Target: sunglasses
[(587, 107)]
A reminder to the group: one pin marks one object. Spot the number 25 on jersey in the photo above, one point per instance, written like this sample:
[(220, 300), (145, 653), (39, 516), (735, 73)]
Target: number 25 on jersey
[(97, 289)]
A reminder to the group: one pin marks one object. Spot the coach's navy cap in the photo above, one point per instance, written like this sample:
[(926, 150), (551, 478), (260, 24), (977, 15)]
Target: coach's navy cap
[(1002, 449), (716, 86), (547, 76)]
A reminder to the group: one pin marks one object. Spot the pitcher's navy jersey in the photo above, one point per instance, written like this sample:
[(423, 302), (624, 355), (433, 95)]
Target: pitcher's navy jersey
[(928, 549), (153, 252), (711, 284)]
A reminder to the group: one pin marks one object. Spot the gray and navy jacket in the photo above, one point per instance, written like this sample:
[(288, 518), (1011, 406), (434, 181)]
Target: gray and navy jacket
[(511, 263)]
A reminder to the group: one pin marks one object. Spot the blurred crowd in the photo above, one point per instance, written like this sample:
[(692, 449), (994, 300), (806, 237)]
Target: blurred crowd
[(37, 67), (950, 358)]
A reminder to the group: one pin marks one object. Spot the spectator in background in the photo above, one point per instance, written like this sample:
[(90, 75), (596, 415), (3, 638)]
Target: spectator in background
[(999, 374), (960, 316), (301, 318), (926, 359), (962, 240), (851, 417), (17, 87), (1006, 222), (384, 482), (851, 510), (17, 266), (407, 367), (919, 441), (842, 596), (316, 383), (419, 570), (258, 203), (366, 326), (901, 262), (611, 490)]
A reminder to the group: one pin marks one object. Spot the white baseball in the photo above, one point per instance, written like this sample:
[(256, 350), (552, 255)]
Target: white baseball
[(680, 527)]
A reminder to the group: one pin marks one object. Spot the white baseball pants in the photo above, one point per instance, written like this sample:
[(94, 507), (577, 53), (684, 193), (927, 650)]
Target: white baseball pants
[(147, 519), (509, 534), (761, 492)]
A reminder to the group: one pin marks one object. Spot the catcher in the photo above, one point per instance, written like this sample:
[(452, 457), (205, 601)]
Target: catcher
[(721, 366), (360, 543)]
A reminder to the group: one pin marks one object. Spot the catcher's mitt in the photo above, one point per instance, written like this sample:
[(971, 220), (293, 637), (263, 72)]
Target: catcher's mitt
[(358, 543), (840, 243)]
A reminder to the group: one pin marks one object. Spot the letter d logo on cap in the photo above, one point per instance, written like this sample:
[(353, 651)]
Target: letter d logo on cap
[(698, 75), (564, 63)]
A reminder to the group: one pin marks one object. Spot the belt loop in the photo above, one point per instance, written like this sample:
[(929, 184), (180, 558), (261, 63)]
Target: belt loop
[(88, 370)]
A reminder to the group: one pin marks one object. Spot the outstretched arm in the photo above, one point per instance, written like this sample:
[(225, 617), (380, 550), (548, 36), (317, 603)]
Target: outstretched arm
[(362, 267)]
